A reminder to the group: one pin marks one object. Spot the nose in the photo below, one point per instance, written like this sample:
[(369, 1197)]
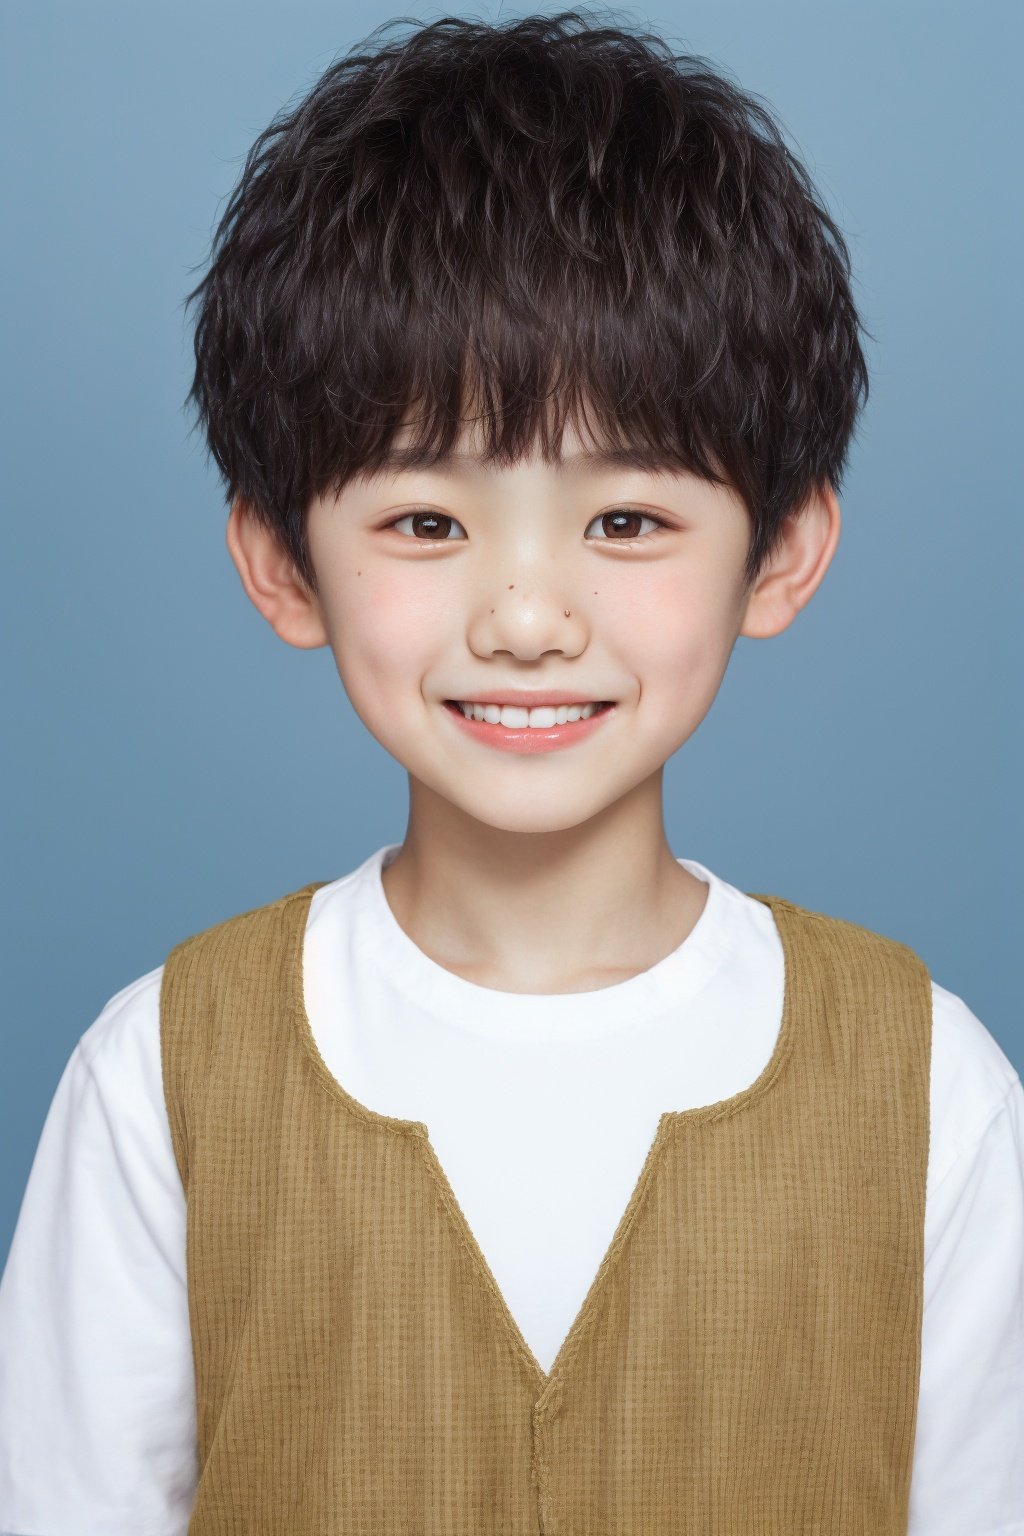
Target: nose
[(528, 619)]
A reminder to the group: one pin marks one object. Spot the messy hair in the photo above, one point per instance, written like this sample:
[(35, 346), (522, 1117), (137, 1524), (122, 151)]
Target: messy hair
[(518, 225)]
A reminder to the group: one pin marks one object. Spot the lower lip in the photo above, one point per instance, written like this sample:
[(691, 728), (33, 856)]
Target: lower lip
[(543, 739)]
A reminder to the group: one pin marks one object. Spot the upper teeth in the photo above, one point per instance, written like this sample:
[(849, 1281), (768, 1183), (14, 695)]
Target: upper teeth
[(514, 715)]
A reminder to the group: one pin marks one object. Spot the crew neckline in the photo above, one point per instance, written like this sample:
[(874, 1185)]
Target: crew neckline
[(670, 1122), (544, 1016)]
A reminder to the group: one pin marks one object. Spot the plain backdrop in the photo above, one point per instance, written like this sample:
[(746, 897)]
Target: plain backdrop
[(169, 762)]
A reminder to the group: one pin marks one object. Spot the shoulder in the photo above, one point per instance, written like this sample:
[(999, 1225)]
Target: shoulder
[(846, 941), (117, 1068), (859, 974), (239, 935), (974, 1087), (120, 1050), (106, 1140), (973, 1082), (123, 1040)]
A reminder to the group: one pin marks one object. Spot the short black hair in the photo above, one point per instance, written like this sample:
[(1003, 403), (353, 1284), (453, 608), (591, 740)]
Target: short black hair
[(521, 223)]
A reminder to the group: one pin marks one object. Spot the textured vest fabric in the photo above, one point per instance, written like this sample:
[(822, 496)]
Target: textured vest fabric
[(746, 1362)]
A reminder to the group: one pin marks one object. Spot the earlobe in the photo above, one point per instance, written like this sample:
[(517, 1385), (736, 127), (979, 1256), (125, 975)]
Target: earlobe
[(271, 581), (809, 540)]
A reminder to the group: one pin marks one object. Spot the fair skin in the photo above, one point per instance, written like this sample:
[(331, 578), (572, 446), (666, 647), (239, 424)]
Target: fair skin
[(549, 872)]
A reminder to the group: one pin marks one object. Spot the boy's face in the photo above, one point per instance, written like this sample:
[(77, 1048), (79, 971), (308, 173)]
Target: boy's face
[(535, 577)]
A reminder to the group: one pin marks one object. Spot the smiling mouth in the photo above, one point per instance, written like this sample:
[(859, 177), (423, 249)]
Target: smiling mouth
[(517, 717)]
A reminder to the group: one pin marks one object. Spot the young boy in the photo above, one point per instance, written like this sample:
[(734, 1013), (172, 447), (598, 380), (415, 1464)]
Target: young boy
[(527, 1178)]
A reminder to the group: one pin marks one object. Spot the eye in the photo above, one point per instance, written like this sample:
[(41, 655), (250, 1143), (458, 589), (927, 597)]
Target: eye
[(433, 525), (629, 517)]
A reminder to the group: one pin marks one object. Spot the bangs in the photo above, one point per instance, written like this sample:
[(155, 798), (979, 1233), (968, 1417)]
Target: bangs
[(507, 423)]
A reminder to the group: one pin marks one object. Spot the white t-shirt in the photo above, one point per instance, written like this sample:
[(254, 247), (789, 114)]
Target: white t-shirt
[(541, 1109)]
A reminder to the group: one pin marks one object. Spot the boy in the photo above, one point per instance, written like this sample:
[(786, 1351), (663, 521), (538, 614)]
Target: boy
[(527, 1178)]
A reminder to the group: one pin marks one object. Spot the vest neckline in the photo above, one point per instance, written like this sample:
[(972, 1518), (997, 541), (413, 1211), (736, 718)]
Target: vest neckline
[(671, 1123)]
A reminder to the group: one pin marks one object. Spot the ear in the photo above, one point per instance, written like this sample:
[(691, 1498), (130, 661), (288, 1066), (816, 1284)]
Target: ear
[(809, 538), (271, 580)]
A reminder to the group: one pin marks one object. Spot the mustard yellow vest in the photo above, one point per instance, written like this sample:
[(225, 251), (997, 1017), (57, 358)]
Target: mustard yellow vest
[(745, 1363)]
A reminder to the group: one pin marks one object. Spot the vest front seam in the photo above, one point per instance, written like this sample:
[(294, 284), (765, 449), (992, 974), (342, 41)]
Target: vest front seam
[(549, 1382)]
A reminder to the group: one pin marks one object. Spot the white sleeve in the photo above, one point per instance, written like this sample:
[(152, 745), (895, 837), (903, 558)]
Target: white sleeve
[(968, 1472), (97, 1389)]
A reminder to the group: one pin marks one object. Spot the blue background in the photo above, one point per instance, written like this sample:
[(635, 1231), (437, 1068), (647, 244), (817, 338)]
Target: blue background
[(170, 762)]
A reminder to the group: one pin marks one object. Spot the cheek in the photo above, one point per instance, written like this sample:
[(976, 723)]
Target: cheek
[(386, 630), (669, 626)]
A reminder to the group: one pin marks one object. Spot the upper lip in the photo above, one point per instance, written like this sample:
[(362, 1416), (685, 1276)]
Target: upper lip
[(528, 698)]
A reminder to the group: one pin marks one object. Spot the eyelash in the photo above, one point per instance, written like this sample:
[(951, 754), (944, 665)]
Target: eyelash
[(615, 512)]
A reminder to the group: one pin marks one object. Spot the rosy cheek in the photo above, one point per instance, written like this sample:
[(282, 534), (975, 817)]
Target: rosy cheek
[(655, 619), (678, 643), (389, 624)]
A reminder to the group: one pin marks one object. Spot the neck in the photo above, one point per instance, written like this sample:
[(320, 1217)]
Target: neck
[(567, 910)]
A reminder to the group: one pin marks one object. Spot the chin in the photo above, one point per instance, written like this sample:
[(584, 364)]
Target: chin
[(526, 819)]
